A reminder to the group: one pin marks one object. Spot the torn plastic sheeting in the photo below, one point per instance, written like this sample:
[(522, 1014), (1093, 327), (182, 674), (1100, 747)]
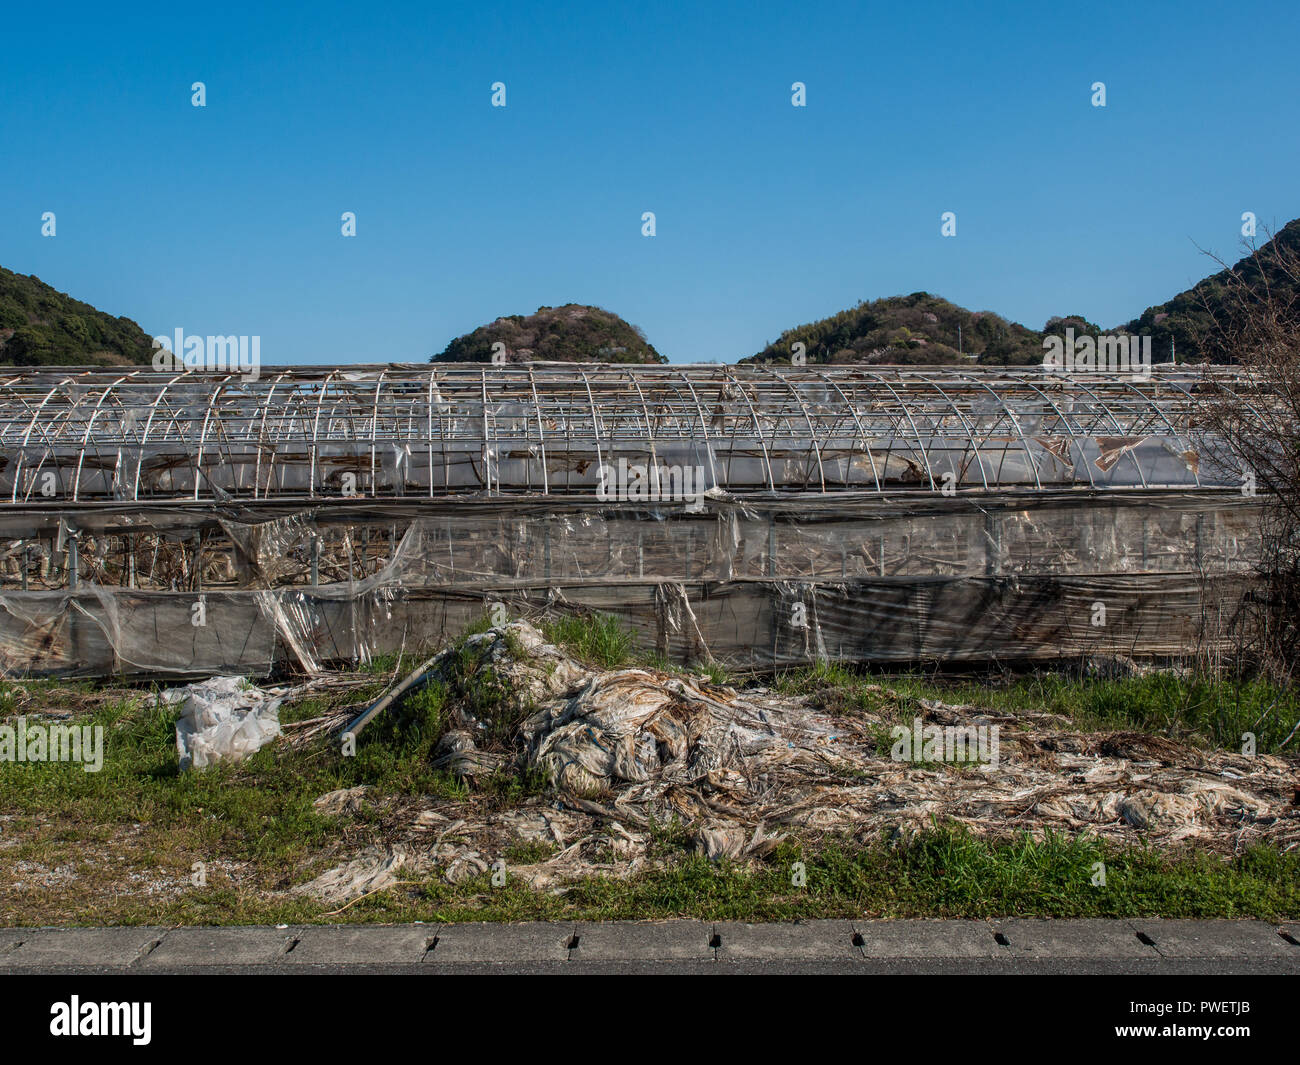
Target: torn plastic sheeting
[(41, 632), (796, 620), (261, 549), (222, 719), (651, 746), (327, 624), (726, 545), (459, 545), (373, 871), (739, 623), (97, 630), (676, 617)]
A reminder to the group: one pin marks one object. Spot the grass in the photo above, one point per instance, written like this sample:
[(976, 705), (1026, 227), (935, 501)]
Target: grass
[(601, 640), (141, 817), (947, 873), (598, 639), (1198, 710), (257, 810), (41, 691), (941, 873), (131, 833)]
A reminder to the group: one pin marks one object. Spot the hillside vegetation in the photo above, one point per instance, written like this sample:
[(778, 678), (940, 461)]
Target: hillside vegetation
[(922, 328), (40, 326), (1198, 321), (919, 328), (572, 333)]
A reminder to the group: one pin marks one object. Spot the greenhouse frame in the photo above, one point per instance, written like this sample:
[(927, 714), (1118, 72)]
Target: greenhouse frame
[(190, 523)]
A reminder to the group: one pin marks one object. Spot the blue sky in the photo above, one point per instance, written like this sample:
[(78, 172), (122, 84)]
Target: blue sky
[(226, 218)]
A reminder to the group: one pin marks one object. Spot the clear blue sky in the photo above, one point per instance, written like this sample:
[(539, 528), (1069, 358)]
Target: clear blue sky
[(225, 219)]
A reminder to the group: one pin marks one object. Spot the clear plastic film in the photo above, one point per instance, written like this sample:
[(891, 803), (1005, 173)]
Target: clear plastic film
[(748, 583)]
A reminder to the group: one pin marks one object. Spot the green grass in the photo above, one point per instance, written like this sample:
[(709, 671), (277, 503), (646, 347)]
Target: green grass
[(599, 639), (947, 873), (260, 812), (529, 853), (11, 701), (941, 873), (716, 673), (141, 817), (1198, 710), (252, 810)]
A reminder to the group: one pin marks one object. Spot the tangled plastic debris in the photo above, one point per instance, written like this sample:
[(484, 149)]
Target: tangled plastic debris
[(631, 749)]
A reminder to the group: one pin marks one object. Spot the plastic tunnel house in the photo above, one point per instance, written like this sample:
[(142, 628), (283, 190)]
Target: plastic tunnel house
[(757, 516)]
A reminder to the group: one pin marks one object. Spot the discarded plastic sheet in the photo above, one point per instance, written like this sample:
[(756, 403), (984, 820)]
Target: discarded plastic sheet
[(222, 719)]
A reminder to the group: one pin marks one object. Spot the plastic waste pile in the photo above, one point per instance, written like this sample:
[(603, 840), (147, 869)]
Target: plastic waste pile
[(222, 719)]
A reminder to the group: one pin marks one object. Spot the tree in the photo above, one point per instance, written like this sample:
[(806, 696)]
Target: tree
[(1251, 422)]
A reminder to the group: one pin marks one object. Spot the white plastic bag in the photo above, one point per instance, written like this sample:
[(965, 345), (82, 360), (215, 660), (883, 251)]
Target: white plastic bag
[(224, 718)]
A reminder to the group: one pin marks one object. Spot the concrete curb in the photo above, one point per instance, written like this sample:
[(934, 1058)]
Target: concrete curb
[(689, 943)]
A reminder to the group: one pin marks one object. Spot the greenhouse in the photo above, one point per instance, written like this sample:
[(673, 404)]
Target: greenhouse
[(191, 523)]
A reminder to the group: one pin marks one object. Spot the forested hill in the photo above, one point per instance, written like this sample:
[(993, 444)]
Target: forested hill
[(572, 333), (922, 328), (41, 326)]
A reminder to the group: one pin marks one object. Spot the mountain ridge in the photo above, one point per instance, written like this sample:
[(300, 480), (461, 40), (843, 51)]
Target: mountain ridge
[(41, 326)]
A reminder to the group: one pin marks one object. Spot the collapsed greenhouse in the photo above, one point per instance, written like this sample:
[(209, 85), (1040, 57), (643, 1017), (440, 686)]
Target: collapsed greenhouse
[(190, 523)]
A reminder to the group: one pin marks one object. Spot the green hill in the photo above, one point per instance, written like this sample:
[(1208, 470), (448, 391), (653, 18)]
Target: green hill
[(40, 326), (1189, 319), (918, 329), (922, 328), (572, 333)]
